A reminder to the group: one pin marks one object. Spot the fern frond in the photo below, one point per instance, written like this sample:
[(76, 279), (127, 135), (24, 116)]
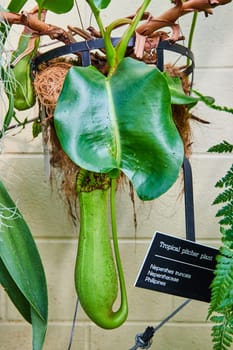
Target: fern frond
[(224, 197), (222, 332), (227, 180), (222, 147), (226, 252), (226, 210), (226, 220), (227, 236), (222, 283)]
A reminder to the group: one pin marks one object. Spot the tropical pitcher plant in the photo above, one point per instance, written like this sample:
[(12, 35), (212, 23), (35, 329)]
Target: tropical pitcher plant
[(110, 120)]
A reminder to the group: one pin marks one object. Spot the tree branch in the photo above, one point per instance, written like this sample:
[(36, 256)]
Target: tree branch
[(28, 19), (170, 17), (147, 29)]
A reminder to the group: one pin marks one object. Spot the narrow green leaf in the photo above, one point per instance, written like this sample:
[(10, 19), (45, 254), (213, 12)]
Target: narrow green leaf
[(14, 293), (56, 6), (36, 128), (39, 330), (21, 259), (123, 122)]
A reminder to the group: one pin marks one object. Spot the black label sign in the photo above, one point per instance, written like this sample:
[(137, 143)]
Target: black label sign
[(179, 267)]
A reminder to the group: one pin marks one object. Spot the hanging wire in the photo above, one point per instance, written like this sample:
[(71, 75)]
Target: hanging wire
[(79, 14), (73, 325), (144, 340)]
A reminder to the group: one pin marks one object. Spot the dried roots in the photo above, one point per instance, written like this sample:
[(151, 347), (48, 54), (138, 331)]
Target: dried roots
[(48, 84)]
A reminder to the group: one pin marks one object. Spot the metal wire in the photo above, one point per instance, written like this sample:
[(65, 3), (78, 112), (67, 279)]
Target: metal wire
[(73, 325), (144, 340)]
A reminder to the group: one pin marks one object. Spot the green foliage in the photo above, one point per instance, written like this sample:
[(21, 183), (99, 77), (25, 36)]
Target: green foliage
[(58, 6), (130, 118), (227, 180), (16, 5), (14, 293), (222, 332), (7, 77), (222, 286), (177, 92), (21, 270), (222, 147), (225, 196), (36, 128), (227, 209), (210, 102)]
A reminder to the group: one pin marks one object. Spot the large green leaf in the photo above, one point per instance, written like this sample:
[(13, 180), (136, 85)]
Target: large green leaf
[(123, 122), (57, 6), (99, 4), (14, 293), (22, 273)]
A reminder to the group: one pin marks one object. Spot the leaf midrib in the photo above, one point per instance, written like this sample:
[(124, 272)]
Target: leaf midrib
[(116, 148)]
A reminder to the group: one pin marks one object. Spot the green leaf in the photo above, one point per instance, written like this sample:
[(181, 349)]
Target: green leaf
[(123, 122), (222, 147), (99, 4), (39, 330), (16, 5), (25, 274), (14, 293), (57, 6), (178, 96), (225, 196), (36, 128), (217, 319)]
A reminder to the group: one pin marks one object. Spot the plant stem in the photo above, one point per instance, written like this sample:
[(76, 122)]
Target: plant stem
[(111, 53), (191, 33), (123, 43), (115, 55), (96, 14), (110, 50)]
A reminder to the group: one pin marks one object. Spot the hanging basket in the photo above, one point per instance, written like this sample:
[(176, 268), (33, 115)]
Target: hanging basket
[(85, 47), (50, 70)]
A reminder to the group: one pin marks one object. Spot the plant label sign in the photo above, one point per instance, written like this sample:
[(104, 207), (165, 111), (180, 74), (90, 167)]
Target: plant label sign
[(177, 266)]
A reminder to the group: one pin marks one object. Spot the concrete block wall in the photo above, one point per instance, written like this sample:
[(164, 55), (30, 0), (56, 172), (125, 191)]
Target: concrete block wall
[(22, 170)]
